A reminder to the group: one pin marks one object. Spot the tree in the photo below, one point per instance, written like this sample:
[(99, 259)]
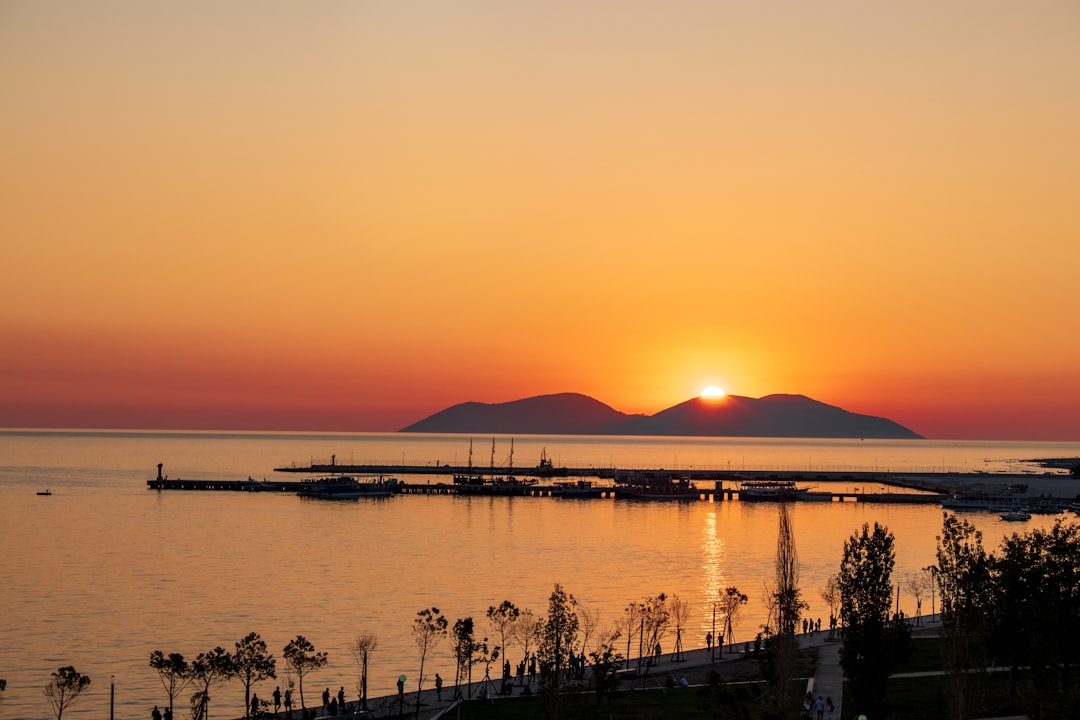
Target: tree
[(731, 604), (917, 583), (524, 631), (785, 604), (1036, 607), (605, 665), (253, 664), (830, 593), (465, 649), (301, 657), (64, 689), (502, 618), (964, 588), (629, 625), (209, 669), (872, 645), (362, 646), (429, 628), (654, 621), (174, 672), (679, 611), (558, 634)]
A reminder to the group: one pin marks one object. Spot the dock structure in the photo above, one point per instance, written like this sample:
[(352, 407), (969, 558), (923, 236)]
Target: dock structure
[(712, 485)]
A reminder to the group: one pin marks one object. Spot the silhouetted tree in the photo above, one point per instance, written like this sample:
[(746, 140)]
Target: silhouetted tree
[(653, 624), (524, 631), (174, 672), (209, 669), (301, 657), (872, 645), (605, 666), (830, 593), (465, 649), (630, 626), (785, 605), (557, 636), (362, 646), (679, 611), (1036, 628), (502, 617), (731, 604), (964, 587), (253, 664), (429, 629), (64, 689)]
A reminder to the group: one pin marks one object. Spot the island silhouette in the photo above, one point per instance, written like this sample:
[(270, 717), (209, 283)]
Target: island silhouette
[(730, 416)]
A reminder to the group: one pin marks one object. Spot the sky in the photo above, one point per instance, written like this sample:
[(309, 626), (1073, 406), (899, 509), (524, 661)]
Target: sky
[(351, 215)]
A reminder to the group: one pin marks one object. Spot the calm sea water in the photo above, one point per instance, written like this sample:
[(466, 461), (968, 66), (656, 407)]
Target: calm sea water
[(104, 571)]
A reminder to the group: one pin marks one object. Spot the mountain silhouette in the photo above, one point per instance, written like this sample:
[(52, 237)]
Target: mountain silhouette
[(729, 416)]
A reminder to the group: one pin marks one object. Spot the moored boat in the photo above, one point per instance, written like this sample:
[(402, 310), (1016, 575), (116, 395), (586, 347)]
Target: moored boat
[(1016, 516), (772, 491), (655, 486), (344, 487)]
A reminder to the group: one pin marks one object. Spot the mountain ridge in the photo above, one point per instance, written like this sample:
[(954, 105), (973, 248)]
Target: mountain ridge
[(776, 415)]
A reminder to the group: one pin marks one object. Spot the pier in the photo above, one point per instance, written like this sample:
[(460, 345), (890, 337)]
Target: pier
[(711, 485)]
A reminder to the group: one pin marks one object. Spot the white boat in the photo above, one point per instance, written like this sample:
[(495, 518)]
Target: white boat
[(344, 487), (1016, 516), (1014, 499)]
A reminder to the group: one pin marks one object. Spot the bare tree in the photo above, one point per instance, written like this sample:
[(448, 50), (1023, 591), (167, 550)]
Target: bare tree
[(918, 584), (362, 646), (680, 614), (524, 632), (429, 628), (64, 689), (301, 657), (588, 621), (629, 625), (830, 593), (654, 622), (174, 672)]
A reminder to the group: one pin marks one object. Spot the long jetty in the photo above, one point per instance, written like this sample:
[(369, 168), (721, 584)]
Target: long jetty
[(546, 481)]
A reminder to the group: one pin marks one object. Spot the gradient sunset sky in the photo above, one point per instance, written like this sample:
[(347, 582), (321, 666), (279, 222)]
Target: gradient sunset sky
[(350, 215)]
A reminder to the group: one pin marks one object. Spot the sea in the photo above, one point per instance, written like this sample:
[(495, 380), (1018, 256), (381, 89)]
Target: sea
[(104, 571)]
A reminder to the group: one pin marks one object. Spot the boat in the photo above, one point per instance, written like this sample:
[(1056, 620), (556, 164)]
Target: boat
[(655, 486), (44, 492), (773, 490), (1013, 499), (1015, 516), (575, 489), (254, 485), (546, 468), (344, 487)]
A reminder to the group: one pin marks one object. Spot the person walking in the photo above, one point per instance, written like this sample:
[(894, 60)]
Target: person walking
[(438, 686), (155, 714), (277, 699)]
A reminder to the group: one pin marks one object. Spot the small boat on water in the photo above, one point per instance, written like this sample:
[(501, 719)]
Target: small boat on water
[(44, 492), (344, 487), (1016, 516), (655, 486)]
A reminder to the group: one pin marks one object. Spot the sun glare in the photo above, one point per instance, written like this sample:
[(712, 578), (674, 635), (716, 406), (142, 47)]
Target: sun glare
[(713, 392)]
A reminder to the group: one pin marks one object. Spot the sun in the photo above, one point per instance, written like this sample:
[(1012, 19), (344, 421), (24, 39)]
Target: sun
[(713, 392)]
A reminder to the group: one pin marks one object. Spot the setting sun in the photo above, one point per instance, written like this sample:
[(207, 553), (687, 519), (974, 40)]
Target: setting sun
[(713, 392)]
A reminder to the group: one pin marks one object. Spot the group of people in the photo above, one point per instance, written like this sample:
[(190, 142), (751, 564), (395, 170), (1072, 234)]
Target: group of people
[(820, 709)]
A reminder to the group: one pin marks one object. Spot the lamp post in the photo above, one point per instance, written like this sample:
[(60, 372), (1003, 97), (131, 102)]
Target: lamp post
[(712, 648), (112, 695)]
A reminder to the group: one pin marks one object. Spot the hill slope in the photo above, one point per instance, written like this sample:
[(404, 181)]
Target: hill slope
[(731, 416)]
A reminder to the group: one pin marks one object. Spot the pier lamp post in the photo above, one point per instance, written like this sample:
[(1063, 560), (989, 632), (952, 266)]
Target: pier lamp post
[(112, 695)]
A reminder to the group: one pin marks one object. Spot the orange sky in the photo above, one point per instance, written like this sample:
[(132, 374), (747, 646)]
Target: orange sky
[(349, 215)]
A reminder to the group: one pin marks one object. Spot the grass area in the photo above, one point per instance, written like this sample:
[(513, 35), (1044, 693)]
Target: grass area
[(742, 701)]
